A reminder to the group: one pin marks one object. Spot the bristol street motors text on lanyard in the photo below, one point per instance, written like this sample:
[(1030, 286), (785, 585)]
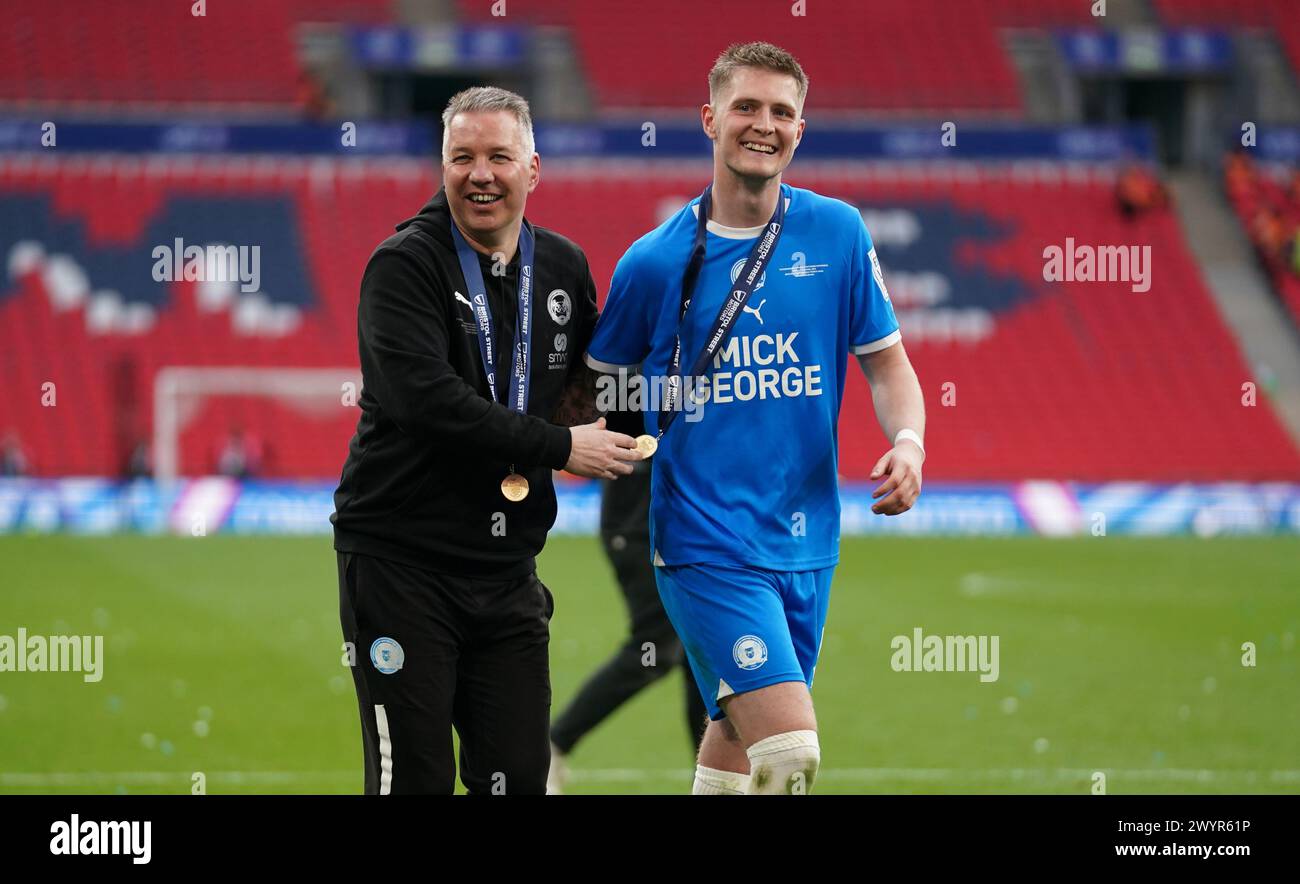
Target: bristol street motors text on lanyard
[(749, 276), (513, 486)]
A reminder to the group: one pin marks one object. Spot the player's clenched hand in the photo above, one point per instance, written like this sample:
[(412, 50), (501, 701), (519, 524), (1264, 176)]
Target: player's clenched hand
[(598, 453), (902, 464)]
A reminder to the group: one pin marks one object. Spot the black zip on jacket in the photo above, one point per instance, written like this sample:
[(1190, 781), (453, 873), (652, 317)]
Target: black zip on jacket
[(422, 481)]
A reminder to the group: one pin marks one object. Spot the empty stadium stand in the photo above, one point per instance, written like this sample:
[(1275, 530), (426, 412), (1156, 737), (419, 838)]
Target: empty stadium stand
[(897, 55), (158, 53), (888, 56), (1086, 381), (1282, 16)]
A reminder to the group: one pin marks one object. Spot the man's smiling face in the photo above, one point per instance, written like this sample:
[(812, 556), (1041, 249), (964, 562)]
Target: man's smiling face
[(488, 171), (755, 123)]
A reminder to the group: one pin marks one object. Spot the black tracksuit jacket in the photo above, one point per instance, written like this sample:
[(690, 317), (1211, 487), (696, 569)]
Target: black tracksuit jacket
[(422, 481)]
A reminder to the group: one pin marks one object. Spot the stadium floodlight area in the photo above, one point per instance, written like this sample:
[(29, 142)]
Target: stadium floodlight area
[(179, 393)]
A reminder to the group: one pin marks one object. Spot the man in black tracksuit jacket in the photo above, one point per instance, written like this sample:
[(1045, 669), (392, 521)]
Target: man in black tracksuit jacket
[(439, 597)]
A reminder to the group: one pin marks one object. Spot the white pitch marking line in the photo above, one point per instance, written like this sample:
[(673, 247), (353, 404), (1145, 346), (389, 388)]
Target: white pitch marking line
[(162, 777), (13, 779)]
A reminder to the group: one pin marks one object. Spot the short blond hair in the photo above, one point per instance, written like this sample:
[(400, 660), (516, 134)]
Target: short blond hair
[(755, 55)]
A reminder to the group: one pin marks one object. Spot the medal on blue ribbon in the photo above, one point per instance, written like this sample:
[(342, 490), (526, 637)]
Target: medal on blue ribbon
[(513, 486)]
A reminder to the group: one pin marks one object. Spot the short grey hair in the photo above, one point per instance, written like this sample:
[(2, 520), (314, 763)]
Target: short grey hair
[(489, 98)]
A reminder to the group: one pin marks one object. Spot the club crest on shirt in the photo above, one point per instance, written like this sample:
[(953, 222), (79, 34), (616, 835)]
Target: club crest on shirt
[(739, 266), (749, 652), (559, 306)]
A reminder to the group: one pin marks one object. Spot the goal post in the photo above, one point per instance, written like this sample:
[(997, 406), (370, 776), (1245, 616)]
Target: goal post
[(179, 391)]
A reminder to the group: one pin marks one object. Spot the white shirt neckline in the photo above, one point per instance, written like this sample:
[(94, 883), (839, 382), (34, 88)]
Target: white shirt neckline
[(733, 232)]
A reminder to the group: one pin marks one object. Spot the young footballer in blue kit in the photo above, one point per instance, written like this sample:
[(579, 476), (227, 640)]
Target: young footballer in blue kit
[(748, 301)]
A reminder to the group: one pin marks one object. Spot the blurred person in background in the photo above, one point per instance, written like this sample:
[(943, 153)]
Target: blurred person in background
[(651, 649), (1239, 173), (1139, 191), (13, 462), (139, 464), (313, 97), (240, 456), (1269, 232)]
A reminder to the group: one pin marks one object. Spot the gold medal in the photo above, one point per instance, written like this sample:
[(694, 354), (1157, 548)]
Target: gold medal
[(647, 445), (514, 487)]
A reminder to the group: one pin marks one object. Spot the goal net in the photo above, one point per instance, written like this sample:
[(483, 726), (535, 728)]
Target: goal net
[(179, 393)]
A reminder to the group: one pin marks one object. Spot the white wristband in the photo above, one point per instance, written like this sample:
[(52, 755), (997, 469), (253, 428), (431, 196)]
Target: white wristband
[(910, 435)]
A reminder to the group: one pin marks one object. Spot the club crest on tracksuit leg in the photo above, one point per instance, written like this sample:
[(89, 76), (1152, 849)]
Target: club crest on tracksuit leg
[(387, 655)]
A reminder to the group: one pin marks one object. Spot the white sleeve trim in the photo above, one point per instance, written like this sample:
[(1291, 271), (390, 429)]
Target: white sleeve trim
[(887, 341), (607, 367)]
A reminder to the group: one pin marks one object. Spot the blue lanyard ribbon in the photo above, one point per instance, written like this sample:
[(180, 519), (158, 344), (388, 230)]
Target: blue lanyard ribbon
[(731, 308), (469, 267)]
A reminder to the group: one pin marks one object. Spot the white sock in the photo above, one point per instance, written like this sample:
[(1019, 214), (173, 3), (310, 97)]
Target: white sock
[(709, 781), (784, 764)]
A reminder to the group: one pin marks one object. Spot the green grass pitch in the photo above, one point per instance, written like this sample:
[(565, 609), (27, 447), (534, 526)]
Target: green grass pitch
[(1120, 656)]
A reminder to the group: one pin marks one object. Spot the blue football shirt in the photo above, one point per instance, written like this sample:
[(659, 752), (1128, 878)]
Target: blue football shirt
[(747, 472)]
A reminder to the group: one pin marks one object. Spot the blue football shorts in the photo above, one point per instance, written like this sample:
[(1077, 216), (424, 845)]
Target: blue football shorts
[(745, 628)]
